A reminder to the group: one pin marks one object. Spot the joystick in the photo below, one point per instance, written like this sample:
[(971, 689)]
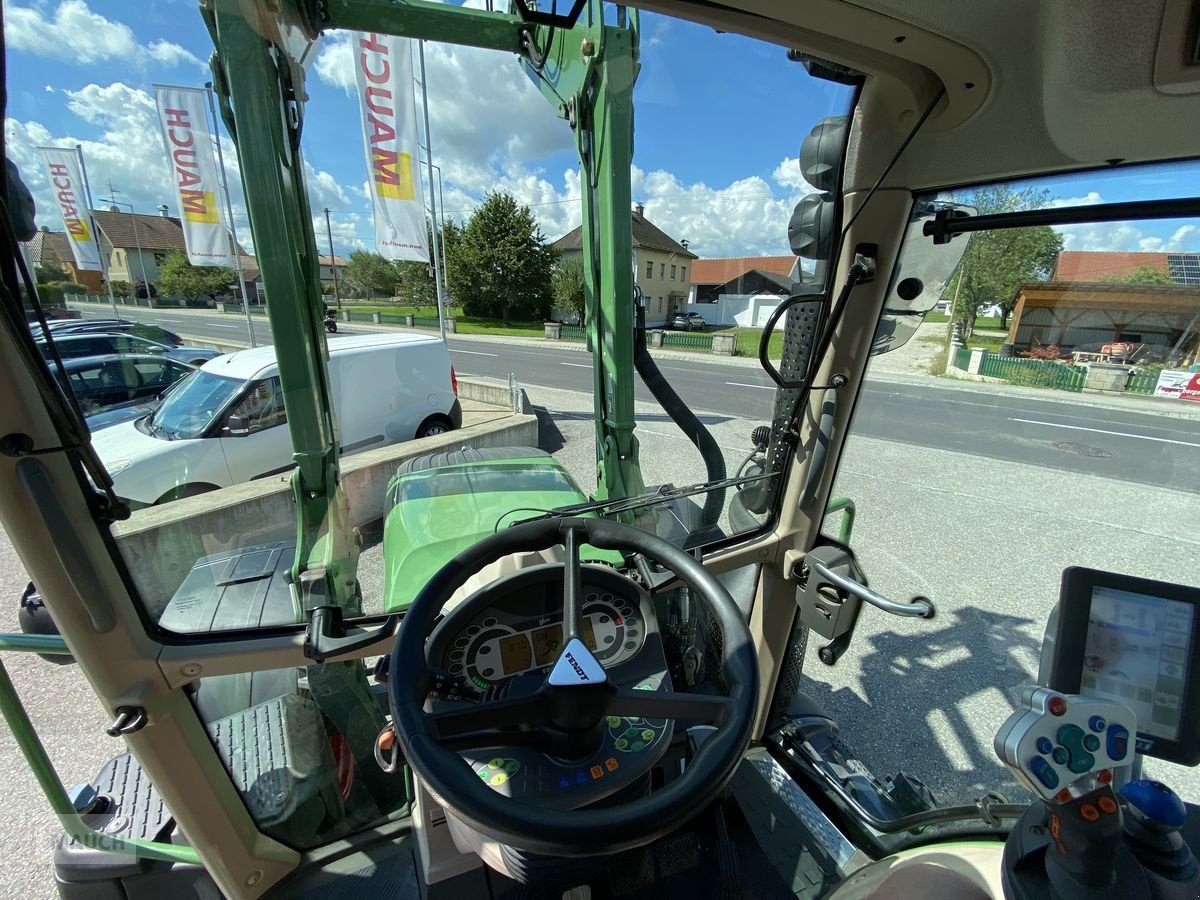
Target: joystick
[(1154, 815)]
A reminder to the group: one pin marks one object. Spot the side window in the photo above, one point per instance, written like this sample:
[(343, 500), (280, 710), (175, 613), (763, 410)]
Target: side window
[(262, 408), (158, 373), (673, 273), (650, 269), (91, 346), (662, 271)]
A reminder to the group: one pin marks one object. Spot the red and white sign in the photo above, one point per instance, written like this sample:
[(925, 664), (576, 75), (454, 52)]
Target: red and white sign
[(62, 170), (383, 75), (188, 143), (1178, 383)]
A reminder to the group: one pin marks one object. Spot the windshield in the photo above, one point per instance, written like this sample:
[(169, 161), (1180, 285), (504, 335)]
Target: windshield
[(188, 409)]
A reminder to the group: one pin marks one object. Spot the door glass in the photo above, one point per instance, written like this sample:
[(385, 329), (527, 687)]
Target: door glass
[(1053, 431), (262, 407)]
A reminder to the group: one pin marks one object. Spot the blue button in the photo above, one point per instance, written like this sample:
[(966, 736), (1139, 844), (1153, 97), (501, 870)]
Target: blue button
[(581, 777), (1044, 745), (1156, 801), (563, 782), (1044, 773), (1118, 742), (1097, 723)]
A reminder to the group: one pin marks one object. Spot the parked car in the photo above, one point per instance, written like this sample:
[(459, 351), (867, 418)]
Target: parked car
[(72, 344), (114, 389), (687, 321), (226, 423), (116, 326)]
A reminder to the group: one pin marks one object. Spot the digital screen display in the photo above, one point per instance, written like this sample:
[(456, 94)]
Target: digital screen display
[(548, 641), (514, 653), (1136, 654)]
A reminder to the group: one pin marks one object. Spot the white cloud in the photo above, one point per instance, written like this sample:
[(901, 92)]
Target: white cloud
[(74, 33), (170, 54), (1129, 236), (787, 174)]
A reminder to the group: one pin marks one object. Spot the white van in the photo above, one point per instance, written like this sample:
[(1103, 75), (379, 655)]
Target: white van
[(226, 424)]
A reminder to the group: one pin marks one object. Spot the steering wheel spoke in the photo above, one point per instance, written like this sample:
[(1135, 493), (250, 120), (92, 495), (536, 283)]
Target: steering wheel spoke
[(705, 709), (572, 585), (477, 718)]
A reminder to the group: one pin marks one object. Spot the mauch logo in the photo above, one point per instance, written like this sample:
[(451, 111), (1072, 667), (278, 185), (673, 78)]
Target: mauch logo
[(76, 227), (392, 172), (577, 667), (196, 205)]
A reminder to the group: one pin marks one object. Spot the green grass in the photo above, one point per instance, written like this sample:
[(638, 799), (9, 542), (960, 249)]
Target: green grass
[(477, 325), (984, 322)]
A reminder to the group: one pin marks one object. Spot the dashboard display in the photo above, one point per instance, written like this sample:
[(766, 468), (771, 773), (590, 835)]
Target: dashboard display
[(1136, 653), (514, 653), (548, 641)]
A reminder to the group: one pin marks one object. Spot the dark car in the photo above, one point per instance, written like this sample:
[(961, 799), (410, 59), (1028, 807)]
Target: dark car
[(112, 389), (687, 321), (72, 344), (113, 326)]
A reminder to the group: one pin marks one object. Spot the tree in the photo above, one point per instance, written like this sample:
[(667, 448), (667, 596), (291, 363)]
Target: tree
[(46, 272), (179, 278), (567, 284), (122, 288), (998, 261), (500, 264), (416, 284), (370, 274), (1143, 275)]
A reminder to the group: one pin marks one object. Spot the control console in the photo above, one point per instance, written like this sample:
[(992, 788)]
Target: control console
[(1083, 839), (1059, 740)]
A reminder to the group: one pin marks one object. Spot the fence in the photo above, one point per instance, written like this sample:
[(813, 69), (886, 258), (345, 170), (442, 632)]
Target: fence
[(1033, 372), (573, 333), (962, 358), (687, 340), (425, 321), (1141, 383)]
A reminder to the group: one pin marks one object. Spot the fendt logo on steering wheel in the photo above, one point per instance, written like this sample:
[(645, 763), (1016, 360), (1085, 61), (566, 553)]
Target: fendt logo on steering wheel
[(577, 667)]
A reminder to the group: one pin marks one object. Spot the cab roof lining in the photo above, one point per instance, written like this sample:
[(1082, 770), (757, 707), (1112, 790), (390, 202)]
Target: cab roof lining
[(1032, 86)]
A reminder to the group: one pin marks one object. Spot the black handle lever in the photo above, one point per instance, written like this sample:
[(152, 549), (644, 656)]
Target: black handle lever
[(327, 635)]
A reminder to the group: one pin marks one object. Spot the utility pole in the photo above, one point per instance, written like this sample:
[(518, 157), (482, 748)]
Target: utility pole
[(437, 272), (332, 260), (87, 186), (237, 250)]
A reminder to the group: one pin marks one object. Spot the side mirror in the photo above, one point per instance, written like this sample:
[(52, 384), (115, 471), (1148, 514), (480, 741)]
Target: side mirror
[(235, 426)]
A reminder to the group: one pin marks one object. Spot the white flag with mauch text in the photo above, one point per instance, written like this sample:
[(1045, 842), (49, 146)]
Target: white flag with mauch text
[(66, 183), (383, 74), (188, 143)]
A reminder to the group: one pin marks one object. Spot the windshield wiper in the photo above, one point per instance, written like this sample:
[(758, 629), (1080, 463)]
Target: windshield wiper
[(664, 494)]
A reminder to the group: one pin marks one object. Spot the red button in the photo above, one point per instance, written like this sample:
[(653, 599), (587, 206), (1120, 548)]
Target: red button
[(1063, 796), (1104, 776), (1057, 706), (1107, 805), (1089, 812)]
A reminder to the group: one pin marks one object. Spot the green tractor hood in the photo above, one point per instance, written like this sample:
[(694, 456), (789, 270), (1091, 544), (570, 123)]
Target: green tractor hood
[(442, 503)]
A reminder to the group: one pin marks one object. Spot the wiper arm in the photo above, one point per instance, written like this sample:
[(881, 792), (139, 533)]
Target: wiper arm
[(662, 495)]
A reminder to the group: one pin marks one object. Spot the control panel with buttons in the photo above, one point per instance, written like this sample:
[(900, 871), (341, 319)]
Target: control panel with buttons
[(1057, 741)]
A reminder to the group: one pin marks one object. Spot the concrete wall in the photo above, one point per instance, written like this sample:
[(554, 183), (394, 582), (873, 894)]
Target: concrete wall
[(160, 544), (748, 310)]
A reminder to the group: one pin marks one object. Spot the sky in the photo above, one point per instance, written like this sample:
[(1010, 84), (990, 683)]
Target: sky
[(715, 158)]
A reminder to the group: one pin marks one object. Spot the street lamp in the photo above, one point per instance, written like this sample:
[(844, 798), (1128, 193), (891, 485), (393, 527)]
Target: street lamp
[(137, 241), (442, 230), (332, 260)]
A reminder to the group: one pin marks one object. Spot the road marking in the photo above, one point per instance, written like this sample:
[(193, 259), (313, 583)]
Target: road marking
[(576, 365), (1125, 434), (761, 387), (219, 325), (472, 352)]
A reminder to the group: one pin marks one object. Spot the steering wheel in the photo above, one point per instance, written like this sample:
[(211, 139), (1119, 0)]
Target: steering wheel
[(575, 697)]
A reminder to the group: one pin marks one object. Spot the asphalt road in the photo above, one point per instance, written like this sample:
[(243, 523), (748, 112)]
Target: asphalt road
[(1054, 433)]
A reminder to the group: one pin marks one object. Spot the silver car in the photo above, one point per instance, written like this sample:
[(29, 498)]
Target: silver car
[(73, 345)]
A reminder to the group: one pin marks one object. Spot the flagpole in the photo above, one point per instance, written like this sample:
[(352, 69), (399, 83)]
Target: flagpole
[(437, 272), (96, 231), (237, 251)]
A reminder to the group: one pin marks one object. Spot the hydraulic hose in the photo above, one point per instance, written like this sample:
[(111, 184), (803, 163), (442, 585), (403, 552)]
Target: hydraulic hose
[(692, 427)]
